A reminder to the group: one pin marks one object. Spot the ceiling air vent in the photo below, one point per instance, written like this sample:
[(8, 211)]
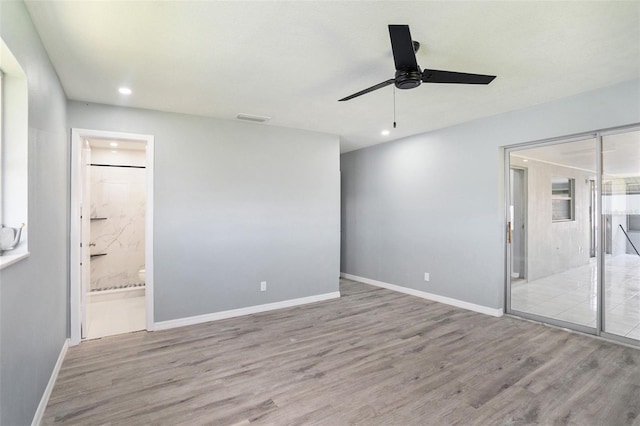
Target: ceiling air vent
[(253, 118)]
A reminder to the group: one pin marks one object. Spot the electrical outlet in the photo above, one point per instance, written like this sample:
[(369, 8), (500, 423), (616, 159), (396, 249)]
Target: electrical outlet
[(263, 286), (426, 276)]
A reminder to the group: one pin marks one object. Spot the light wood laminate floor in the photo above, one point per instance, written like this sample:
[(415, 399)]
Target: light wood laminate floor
[(372, 357)]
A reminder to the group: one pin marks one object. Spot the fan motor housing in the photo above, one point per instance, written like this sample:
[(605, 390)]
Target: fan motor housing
[(408, 79)]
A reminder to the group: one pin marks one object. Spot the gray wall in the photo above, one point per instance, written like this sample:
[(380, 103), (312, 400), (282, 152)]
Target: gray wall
[(434, 202), (33, 292), (235, 204)]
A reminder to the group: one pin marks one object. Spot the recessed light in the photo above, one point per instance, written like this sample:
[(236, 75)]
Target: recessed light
[(525, 161), (114, 144), (124, 90), (384, 133)]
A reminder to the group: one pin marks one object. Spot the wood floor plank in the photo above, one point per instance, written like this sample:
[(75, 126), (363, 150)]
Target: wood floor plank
[(372, 357)]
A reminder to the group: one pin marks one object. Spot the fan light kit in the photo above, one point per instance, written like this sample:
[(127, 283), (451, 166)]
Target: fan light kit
[(408, 73)]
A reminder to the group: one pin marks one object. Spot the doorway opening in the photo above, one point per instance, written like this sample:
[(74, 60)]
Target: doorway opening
[(111, 234)]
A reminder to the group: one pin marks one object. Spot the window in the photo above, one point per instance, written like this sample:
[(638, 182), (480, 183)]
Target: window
[(562, 192), (14, 119)]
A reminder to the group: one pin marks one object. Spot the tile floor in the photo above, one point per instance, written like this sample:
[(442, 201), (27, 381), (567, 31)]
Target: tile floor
[(571, 295), (116, 315)]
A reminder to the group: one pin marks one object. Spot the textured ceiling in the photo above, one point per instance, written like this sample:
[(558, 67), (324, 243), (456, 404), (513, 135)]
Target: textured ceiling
[(292, 61)]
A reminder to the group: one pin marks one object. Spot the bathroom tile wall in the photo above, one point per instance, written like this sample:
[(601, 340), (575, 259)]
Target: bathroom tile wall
[(117, 194)]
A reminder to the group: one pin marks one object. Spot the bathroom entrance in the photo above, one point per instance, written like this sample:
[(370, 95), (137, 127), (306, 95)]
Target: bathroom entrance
[(111, 282)]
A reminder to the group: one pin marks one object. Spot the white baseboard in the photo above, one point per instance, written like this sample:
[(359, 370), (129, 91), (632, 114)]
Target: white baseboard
[(429, 296), (181, 322), (37, 418)]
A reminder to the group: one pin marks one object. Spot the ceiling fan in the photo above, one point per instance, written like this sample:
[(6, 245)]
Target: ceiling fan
[(408, 73)]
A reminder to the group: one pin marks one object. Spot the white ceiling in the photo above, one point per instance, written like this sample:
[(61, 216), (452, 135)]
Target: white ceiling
[(620, 154), (293, 60)]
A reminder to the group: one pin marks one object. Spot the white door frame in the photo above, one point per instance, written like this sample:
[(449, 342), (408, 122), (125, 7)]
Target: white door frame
[(84, 178), (75, 254)]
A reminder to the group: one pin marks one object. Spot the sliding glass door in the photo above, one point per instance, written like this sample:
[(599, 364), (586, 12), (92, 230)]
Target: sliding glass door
[(573, 233), (552, 275), (621, 213)]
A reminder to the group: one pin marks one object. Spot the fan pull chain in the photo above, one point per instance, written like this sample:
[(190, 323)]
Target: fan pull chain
[(394, 106)]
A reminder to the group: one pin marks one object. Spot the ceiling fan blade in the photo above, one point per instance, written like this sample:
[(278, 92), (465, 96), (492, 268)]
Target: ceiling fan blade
[(402, 46), (370, 89), (436, 76)]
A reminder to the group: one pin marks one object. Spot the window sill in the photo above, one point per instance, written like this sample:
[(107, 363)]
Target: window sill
[(10, 259)]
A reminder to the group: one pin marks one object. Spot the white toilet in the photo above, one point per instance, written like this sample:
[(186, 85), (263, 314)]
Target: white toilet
[(141, 275)]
